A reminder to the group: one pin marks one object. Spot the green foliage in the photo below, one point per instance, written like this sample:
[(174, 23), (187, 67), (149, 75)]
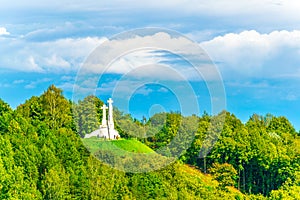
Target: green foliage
[(167, 132), (132, 145), (55, 184), (281, 126), (87, 114), (289, 190), (129, 127), (225, 174), (32, 110), (5, 116), (56, 108), (149, 185), (43, 157)]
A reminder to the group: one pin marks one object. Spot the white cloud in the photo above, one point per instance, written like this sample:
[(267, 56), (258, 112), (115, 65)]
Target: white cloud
[(68, 54), (249, 53), (139, 56), (134, 60), (78, 47), (203, 35), (3, 31), (57, 61), (254, 54), (31, 65), (33, 84), (51, 56)]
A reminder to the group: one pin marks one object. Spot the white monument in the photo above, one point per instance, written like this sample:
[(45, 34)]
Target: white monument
[(107, 128), (104, 122), (110, 114)]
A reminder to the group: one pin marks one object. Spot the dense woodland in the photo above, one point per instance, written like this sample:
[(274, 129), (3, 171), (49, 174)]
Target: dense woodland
[(42, 155)]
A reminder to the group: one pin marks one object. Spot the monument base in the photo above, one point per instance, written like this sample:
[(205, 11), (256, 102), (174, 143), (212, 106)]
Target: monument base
[(103, 132)]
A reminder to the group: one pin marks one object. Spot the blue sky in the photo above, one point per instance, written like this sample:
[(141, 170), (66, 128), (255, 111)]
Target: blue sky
[(255, 46)]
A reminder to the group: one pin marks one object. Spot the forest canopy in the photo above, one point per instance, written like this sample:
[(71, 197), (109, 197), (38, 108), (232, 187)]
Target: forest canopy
[(42, 155)]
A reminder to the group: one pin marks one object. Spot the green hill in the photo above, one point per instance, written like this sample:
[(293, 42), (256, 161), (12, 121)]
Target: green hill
[(94, 144), (127, 155)]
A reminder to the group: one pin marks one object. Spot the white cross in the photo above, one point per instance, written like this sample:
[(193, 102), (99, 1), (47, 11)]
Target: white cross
[(104, 107), (110, 101)]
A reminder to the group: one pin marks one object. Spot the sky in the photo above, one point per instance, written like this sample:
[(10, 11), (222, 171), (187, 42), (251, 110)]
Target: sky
[(248, 57)]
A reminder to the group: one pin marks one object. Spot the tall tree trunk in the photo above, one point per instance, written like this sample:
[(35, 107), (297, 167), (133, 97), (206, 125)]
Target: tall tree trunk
[(239, 182), (204, 164), (244, 179)]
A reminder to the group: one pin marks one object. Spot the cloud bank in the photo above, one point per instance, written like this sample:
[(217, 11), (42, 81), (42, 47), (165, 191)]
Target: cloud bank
[(253, 54), (249, 53), (57, 56)]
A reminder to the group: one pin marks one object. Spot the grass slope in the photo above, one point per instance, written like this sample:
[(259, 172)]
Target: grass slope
[(94, 144)]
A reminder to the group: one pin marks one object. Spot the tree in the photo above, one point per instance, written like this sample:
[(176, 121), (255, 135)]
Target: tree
[(55, 184), (87, 114), (281, 126), (32, 110), (193, 153), (5, 116), (290, 190), (225, 174), (56, 108)]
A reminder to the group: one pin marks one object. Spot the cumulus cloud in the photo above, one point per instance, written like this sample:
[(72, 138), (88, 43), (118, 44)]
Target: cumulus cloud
[(50, 56), (118, 55), (125, 55), (248, 53), (251, 53), (3, 31)]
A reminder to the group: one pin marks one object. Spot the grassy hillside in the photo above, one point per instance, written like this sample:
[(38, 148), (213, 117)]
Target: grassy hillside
[(94, 144), (127, 155)]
